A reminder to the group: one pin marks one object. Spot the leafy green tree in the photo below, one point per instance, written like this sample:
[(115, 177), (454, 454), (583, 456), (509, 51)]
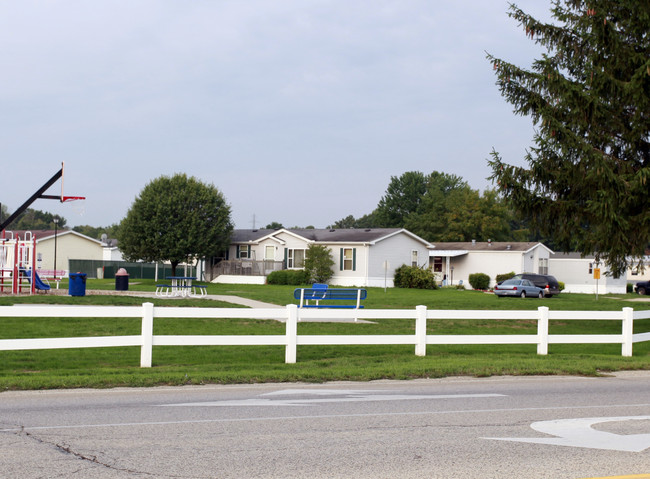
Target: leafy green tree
[(97, 231), (274, 226), (319, 263), (176, 219), (403, 197), (586, 183), (366, 221)]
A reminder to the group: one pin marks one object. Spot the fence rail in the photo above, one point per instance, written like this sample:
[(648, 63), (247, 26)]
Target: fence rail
[(291, 315)]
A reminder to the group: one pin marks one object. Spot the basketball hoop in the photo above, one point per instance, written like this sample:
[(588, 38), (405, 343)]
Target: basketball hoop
[(65, 199), (78, 203)]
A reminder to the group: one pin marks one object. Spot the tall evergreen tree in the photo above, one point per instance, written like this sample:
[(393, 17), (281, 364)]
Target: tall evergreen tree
[(587, 180)]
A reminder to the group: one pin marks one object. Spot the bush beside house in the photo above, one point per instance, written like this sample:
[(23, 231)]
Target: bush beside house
[(290, 277), (479, 281), (414, 277)]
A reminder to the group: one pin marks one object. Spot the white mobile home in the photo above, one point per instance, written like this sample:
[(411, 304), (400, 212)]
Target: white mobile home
[(453, 262), (363, 257), (577, 274)]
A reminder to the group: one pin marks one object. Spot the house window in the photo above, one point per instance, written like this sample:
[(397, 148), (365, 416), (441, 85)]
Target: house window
[(591, 268), (414, 258), (348, 259), (244, 251), (269, 253), (543, 266), (295, 258), (437, 264)]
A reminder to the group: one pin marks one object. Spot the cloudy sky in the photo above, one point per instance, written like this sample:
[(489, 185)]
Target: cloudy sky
[(299, 111)]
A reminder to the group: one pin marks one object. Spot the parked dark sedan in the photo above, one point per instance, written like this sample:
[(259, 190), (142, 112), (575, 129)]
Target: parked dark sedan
[(518, 287), (642, 287), (546, 282)]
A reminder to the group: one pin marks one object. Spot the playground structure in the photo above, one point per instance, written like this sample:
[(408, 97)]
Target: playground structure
[(18, 255), (17, 259)]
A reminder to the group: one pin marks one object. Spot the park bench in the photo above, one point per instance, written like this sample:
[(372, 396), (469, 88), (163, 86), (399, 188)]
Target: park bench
[(318, 294), (51, 274)]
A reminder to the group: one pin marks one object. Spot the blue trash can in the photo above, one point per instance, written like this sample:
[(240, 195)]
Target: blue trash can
[(77, 284)]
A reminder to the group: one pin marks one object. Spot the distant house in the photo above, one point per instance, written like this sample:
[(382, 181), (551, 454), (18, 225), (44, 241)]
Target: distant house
[(577, 274), (363, 257), (640, 274), (453, 262), (69, 245)]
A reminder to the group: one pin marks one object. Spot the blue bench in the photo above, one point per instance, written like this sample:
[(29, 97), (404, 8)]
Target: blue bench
[(318, 294)]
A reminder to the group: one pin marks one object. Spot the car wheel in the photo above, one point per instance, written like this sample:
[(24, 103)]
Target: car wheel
[(523, 294), (641, 291), (540, 295)]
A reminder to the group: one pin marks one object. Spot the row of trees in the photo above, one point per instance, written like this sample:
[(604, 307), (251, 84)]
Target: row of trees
[(31, 219), (442, 207)]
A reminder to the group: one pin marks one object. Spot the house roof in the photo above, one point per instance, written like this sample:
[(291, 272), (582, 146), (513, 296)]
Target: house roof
[(40, 235), (572, 255), (466, 246), (346, 235)]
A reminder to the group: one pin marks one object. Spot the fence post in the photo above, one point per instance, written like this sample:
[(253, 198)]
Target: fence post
[(420, 330), (292, 334), (542, 331), (628, 331), (146, 350)]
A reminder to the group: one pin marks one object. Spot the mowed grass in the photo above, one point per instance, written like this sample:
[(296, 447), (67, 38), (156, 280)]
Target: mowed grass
[(110, 367)]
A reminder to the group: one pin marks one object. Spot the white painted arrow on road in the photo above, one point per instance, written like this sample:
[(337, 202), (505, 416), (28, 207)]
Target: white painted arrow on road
[(579, 433), (330, 396)]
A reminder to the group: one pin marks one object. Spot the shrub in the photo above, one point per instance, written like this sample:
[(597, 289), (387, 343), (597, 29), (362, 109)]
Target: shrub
[(561, 285), (414, 277), (479, 280), (502, 277), (318, 264), (294, 277), (630, 288)]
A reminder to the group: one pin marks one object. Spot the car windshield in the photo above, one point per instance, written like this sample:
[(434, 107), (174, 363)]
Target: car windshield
[(511, 281)]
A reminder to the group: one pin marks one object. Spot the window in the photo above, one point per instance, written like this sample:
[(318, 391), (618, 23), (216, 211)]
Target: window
[(295, 258), (543, 266), (414, 258), (348, 259), (269, 253), (591, 268), (437, 264), (244, 251)]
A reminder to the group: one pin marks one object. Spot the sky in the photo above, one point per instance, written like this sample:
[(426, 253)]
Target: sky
[(298, 111)]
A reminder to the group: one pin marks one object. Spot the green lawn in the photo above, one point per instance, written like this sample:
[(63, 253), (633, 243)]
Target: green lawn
[(108, 367)]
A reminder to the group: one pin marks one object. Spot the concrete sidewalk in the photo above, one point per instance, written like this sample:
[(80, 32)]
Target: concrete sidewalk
[(250, 303)]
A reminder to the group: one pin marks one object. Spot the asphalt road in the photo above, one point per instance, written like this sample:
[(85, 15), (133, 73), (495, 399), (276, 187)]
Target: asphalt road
[(548, 427)]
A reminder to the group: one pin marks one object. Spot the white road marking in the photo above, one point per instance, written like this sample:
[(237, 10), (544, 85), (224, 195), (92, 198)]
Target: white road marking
[(333, 396), (579, 433)]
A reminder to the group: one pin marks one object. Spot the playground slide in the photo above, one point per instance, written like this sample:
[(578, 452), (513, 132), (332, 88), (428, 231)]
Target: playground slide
[(38, 282)]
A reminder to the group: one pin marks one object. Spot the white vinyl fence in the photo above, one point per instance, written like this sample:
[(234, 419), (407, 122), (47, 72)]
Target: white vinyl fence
[(292, 314)]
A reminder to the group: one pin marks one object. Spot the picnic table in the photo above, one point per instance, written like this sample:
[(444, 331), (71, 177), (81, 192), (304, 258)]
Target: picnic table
[(180, 286)]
